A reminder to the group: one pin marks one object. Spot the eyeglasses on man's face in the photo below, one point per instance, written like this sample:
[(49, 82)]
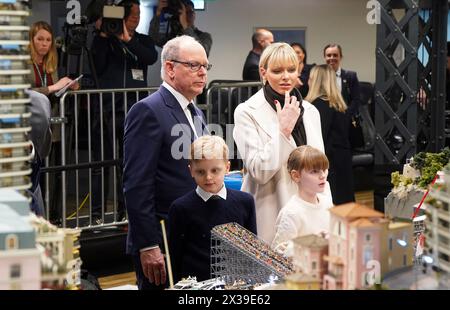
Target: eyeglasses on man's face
[(195, 66)]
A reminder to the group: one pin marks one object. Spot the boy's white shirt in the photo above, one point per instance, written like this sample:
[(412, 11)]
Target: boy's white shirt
[(206, 195)]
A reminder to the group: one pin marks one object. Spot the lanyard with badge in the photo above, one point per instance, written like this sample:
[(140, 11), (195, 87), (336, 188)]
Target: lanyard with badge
[(138, 74), (43, 79)]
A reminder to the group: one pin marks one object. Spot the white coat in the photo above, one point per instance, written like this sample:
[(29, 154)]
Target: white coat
[(265, 151)]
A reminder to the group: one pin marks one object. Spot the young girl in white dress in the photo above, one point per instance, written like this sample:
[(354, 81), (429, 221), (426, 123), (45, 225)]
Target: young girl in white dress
[(307, 211)]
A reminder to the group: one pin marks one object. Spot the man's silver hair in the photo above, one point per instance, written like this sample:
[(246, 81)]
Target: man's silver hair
[(171, 50)]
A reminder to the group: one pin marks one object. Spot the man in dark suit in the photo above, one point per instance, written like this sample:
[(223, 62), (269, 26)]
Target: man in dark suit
[(347, 81), (260, 39), (158, 132)]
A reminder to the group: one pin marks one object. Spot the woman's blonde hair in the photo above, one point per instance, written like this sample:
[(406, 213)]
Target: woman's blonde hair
[(51, 59), (209, 147), (323, 85), (278, 54), (307, 157)]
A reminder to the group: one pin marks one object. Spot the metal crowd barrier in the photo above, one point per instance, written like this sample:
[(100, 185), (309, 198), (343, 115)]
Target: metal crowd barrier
[(80, 161), (223, 97), (84, 119)]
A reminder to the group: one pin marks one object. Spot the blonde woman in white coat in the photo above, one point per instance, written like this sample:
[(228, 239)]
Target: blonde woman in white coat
[(268, 127)]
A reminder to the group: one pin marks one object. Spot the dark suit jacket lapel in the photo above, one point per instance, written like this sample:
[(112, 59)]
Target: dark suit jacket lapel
[(345, 86), (176, 110)]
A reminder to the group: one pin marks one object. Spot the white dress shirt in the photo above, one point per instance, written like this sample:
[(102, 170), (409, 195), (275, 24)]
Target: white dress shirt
[(183, 103), (339, 79), (206, 195)]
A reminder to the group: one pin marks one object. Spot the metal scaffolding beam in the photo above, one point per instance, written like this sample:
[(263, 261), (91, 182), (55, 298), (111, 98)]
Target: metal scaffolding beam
[(410, 79)]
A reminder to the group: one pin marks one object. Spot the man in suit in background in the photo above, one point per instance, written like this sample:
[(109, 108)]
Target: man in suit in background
[(158, 132), (347, 81), (260, 39)]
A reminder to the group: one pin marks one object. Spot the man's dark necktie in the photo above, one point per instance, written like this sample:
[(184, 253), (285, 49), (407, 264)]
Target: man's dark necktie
[(197, 120)]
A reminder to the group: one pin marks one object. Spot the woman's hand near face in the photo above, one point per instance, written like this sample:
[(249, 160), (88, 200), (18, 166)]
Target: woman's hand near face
[(288, 115)]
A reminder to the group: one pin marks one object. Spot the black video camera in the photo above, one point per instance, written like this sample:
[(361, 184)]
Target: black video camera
[(76, 36), (173, 7), (112, 16), (172, 15), (112, 22)]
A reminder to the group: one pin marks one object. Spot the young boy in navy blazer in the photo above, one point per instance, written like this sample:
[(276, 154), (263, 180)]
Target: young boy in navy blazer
[(192, 216)]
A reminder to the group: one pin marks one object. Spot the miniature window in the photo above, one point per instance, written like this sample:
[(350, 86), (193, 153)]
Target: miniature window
[(339, 228), (14, 271), (404, 260), (12, 242), (352, 254), (390, 244), (314, 265), (368, 254), (368, 237)]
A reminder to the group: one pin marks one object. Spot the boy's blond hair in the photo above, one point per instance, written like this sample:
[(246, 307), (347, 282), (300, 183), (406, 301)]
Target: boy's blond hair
[(209, 147), (307, 157)]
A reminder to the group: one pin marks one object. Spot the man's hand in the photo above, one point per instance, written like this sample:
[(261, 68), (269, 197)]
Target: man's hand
[(125, 35), (287, 117), (153, 266), (161, 5)]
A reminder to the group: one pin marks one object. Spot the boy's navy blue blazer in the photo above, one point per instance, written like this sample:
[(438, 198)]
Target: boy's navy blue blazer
[(190, 222)]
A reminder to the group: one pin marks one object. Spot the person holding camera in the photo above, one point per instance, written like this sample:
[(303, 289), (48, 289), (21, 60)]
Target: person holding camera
[(124, 54), (174, 18), (121, 57)]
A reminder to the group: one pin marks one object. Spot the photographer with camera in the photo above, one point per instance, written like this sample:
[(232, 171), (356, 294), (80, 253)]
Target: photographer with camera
[(175, 18), (121, 58), (123, 52)]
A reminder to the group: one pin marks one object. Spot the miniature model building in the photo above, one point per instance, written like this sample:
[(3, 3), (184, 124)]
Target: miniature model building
[(19, 258), (410, 187), (404, 195), (301, 281), (437, 241), (362, 239), (308, 256), (57, 249), (59, 254), (14, 112), (237, 254)]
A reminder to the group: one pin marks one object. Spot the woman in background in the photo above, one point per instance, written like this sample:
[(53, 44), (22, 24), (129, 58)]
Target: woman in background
[(325, 96), (303, 67), (44, 76), (44, 79)]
